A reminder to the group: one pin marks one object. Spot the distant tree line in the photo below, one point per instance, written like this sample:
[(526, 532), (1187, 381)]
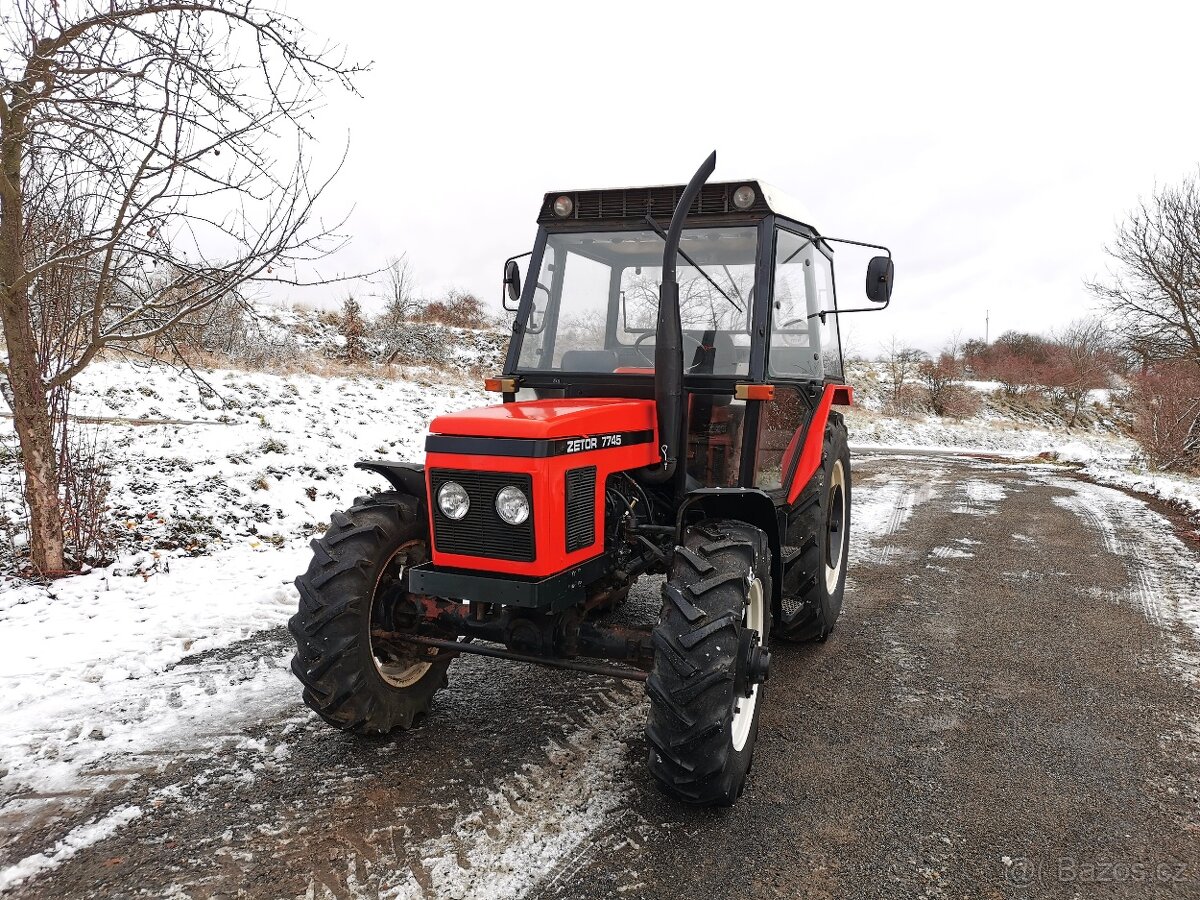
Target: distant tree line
[(1063, 368)]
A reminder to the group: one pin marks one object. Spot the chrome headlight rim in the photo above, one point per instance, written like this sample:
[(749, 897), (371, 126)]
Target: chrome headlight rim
[(519, 512), (449, 492)]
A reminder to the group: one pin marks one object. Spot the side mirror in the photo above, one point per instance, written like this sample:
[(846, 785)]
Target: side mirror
[(880, 275), (512, 281)]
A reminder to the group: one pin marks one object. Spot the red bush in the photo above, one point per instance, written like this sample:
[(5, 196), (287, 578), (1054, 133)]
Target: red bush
[(1166, 415), (458, 308)]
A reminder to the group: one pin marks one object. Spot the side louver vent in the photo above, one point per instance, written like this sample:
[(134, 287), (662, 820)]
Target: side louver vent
[(581, 508)]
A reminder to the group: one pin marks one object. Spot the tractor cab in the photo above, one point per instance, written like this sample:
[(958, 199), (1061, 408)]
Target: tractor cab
[(667, 408), (757, 307)]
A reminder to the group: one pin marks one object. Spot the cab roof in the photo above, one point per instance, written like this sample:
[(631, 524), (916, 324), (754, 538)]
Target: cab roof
[(635, 203)]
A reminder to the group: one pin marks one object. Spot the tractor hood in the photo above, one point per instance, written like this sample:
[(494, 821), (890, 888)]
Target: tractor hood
[(549, 419)]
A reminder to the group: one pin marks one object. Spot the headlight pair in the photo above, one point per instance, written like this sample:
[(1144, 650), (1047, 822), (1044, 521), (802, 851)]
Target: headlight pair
[(512, 506)]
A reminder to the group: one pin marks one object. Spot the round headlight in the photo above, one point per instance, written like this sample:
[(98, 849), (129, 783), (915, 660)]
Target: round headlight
[(512, 505), (564, 206), (743, 197), (453, 500)]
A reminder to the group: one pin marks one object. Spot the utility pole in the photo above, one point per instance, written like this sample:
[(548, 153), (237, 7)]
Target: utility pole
[(987, 324)]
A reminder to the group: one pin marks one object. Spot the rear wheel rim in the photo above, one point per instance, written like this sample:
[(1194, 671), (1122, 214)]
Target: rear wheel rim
[(835, 525), (398, 666), (753, 619)]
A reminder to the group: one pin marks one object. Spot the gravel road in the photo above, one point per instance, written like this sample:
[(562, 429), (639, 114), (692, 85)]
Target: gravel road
[(1007, 708)]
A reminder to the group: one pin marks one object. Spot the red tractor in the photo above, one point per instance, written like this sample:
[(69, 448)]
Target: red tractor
[(667, 409)]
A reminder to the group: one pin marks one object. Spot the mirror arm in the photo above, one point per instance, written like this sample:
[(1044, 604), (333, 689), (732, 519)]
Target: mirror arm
[(877, 307), (841, 312)]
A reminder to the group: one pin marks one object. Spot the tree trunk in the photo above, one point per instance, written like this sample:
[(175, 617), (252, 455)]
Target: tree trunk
[(32, 422), (31, 416)]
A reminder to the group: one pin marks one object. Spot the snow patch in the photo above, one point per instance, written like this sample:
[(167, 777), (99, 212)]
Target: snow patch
[(78, 838), (950, 553), (882, 509), (536, 821)]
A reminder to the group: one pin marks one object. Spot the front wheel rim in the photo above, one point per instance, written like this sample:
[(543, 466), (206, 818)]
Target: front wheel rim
[(398, 670), (753, 619), (835, 536)]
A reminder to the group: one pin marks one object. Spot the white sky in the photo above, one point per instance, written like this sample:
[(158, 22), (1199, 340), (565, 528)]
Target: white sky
[(992, 147)]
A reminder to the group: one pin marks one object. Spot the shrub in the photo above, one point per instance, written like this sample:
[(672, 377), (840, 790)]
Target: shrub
[(352, 326), (940, 378), (1166, 415), (457, 308)]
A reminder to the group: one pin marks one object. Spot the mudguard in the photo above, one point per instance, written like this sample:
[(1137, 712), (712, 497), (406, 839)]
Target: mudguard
[(749, 505), (403, 476)]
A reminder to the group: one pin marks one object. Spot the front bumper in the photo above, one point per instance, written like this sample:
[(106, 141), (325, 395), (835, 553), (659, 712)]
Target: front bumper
[(553, 593)]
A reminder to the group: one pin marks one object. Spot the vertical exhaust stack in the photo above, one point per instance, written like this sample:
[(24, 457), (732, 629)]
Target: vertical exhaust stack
[(668, 339)]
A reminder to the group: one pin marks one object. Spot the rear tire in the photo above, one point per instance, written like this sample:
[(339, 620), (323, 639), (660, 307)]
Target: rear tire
[(352, 682), (812, 609), (716, 607)]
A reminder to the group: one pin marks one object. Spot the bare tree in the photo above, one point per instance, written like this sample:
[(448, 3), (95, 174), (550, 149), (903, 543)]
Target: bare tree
[(940, 378), (401, 303), (141, 149), (900, 364), (1081, 361), (458, 308), (1153, 292)]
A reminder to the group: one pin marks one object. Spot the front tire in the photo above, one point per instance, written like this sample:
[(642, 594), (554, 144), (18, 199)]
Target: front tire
[(352, 680), (705, 687)]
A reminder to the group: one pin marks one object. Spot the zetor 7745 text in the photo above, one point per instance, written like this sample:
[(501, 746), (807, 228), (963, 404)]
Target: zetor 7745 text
[(667, 409)]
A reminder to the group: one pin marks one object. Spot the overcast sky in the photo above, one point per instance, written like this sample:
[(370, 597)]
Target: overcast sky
[(993, 148)]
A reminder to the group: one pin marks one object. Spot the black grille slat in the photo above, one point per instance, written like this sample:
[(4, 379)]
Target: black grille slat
[(662, 203), (587, 205), (712, 200), (481, 532), (581, 508), (613, 205)]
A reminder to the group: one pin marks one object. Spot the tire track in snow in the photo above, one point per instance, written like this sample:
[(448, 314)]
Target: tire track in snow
[(882, 508), (1164, 574), (536, 826)]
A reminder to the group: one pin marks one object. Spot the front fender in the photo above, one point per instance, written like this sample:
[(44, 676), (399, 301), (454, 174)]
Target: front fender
[(409, 478), (749, 505)]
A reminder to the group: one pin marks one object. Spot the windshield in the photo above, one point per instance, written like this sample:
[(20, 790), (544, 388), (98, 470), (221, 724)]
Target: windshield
[(595, 301)]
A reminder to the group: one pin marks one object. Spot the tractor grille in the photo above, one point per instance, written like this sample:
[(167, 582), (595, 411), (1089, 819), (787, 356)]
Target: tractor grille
[(581, 508), (636, 203), (481, 532)]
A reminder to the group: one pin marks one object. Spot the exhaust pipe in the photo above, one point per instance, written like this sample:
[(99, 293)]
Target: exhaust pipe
[(668, 339)]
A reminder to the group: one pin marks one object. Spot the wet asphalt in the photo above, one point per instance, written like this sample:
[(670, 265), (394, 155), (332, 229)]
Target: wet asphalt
[(1008, 707)]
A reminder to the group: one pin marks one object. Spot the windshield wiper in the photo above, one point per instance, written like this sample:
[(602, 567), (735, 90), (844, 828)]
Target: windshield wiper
[(691, 262)]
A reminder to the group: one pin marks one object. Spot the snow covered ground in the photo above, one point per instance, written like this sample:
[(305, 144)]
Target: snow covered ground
[(216, 503)]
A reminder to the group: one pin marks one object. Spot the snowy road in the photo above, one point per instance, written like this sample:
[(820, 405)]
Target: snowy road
[(1009, 707)]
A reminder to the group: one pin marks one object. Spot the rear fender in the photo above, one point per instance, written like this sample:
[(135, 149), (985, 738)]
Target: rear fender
[(749, 505), (408, 478)]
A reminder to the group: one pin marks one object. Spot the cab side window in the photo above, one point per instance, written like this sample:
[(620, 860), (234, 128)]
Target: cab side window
[(802, 345)]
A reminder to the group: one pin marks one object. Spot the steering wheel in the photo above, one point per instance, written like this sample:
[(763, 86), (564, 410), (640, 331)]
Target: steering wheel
[(637, 345)]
